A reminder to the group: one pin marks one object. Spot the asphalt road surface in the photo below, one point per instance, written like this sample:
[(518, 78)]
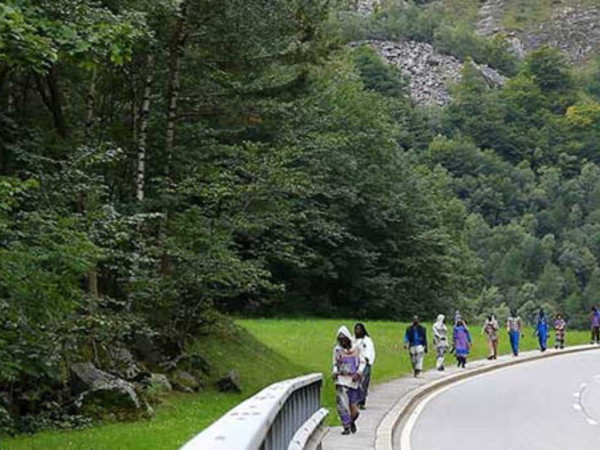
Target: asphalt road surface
[(548, 404)]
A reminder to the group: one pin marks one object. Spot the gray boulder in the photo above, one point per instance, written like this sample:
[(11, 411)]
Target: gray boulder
[(229, 383), (100, 394), (160, 381), (184, 381), (123, 364)]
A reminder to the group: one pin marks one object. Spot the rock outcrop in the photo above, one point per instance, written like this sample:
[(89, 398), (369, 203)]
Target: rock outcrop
[(365, 6), (99, 392), (574, 30), (229, 383), (429, 73)]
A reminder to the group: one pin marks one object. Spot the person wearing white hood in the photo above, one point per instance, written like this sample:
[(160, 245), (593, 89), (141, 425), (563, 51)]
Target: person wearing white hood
[(348, 367), (440, 341)]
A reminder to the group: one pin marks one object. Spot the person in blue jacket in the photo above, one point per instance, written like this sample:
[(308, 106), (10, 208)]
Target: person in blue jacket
[(541, 330), (415, 340)]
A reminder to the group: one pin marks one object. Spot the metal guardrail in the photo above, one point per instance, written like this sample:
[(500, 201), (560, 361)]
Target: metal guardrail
[(269, 420)]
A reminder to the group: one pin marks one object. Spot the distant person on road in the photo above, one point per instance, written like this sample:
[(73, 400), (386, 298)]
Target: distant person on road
[(595, 319), (541, 330), (415, 339), (560, 329), (367, 349), (348, 367), (440, 341), (490, 329), (514, 327), (462, 343)]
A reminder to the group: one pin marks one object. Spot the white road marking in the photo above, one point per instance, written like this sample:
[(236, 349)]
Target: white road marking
[(591, 421), (576, 394), (412, 420)]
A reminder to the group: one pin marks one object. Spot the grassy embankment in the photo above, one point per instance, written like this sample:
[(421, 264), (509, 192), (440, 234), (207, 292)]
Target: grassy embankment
[(270, 350)]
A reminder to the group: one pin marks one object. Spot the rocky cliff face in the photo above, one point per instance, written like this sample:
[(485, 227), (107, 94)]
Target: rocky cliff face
[(573, 29), (429, 73), (365, 6)]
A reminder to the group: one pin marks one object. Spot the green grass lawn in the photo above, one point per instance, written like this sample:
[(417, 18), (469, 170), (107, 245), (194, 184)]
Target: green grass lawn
[(310, 343), (268, 351)]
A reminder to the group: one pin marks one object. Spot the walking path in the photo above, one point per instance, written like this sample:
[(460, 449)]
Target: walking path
[(383, 397)]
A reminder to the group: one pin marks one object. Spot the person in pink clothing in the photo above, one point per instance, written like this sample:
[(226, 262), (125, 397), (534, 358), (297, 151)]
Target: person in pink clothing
[(348, 367)]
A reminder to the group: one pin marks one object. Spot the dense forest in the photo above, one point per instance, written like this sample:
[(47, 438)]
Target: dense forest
[(163, 162)]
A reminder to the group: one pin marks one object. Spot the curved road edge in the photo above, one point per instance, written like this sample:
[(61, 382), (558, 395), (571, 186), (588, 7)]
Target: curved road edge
[(387, 428)]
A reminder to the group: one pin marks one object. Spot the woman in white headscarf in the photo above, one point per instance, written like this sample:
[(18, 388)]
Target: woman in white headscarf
[(348, 367), (440, 341)]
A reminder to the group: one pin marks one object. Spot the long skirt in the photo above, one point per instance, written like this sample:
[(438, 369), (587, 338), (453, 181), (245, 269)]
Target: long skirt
[(344, 397), (364, 385), (441, 349), (417, 354)]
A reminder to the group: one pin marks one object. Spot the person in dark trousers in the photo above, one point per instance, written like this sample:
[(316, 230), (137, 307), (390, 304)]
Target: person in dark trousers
[(367, 349), (415, 340), (595, 319), (541, 330)]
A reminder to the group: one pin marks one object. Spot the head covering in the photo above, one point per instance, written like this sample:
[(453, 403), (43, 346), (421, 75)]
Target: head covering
[(343, 330), (439, 323)]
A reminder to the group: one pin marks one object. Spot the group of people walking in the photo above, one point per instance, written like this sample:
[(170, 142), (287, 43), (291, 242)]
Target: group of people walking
[(353, 359), (354, 354), (415, 340)]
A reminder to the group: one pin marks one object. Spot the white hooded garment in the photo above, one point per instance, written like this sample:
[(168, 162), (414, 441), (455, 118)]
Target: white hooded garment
[(440, 332), (347, 362)]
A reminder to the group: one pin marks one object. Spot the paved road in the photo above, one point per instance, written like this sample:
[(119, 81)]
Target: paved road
[(549, 404)]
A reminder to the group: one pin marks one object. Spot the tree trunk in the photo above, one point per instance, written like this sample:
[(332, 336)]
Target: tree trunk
[(56, 101), (4, 71), (143, 129), (52, 99), (93, 283), (90, 103), (177, 48)]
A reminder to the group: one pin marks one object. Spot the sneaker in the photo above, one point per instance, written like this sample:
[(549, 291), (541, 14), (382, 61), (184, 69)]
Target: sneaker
[(353, 428), (346, 431)]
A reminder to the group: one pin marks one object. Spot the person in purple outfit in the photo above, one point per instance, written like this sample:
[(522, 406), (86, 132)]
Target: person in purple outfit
[(462, 342), (348, 367), (595, 319)]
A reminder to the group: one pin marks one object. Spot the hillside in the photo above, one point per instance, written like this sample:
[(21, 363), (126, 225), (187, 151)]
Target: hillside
[(166, 164), (430, 46)]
